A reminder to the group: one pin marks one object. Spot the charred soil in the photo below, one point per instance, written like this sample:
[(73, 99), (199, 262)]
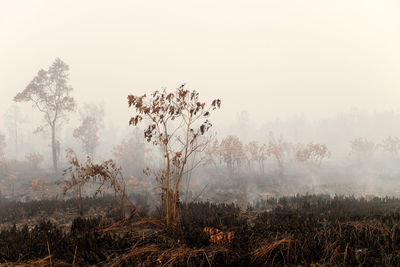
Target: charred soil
[(294, 231)]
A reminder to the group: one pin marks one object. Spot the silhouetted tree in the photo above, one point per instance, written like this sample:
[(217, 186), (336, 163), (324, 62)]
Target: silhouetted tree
[(362, 148), (232, 152), (391, 144), (91, 117), (256, 153), (279, 149), (313, 153), (50, 94)]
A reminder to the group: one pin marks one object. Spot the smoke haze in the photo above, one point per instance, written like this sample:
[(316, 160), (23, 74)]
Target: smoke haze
[(313, 71)]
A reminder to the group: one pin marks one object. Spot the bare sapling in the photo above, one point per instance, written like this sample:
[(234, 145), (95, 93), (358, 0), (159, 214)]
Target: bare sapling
[(175, 121)]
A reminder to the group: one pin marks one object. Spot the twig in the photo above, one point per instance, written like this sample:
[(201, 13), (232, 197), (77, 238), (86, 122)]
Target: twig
[(201, 192), (73, 262), (48, 249)]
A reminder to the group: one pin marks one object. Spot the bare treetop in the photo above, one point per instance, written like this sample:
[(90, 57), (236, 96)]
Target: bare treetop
[(164, 107), (50, 93)]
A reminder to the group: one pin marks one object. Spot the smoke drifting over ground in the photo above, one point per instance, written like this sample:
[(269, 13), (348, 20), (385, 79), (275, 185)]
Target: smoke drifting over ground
[(293, 82), (239, 164)]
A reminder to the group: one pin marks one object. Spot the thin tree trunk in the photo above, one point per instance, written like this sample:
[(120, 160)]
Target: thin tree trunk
[(53, 147), (16, 142), (175, 209), (167, 195), (80, 205)]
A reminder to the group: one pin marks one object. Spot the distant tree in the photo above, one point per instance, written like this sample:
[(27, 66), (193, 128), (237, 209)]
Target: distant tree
[(256, 153), (212, 153), (313, 153), (232, 152), (362, 148), (91, 117), (13, 119), (280, 150), (251, 150), (50, 94), (391, 144), (175, 121)]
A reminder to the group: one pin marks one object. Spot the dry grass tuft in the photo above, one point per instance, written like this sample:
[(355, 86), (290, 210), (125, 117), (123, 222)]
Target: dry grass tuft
[(45, 262), (182, 255), (267, 251)]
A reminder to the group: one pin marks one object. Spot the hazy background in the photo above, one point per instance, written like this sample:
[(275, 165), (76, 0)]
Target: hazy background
[(271, 58), (313, 71)]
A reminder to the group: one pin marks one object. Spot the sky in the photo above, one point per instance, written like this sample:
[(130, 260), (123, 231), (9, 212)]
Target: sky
[(274, 59)]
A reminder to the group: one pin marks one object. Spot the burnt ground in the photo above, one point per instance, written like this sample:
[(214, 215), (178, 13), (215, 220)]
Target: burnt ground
[(60, 212), (316, 230)]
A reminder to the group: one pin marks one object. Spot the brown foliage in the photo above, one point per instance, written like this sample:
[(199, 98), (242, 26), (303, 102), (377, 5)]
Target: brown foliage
[(256, 153), (313, 153), (37, 185), (216, 236), (176, 121), (106, 175), (232, 152)]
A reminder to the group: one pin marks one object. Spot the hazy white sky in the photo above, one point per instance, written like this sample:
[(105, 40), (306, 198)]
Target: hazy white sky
[(272, 58)]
